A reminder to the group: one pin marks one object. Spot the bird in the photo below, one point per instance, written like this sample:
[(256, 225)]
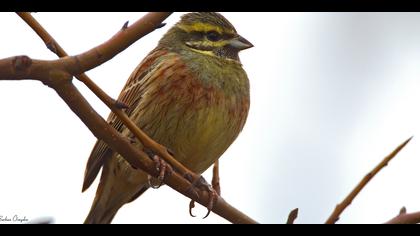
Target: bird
[(190, 94)]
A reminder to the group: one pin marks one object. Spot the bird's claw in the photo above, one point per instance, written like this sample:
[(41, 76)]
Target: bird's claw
[(164, 170), (192, 205), (202, 184)]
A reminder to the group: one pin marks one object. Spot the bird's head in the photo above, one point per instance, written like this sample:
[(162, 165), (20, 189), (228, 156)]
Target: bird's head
[(208, 33)]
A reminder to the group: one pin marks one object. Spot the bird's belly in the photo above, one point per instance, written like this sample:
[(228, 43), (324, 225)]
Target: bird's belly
[(197, 137)]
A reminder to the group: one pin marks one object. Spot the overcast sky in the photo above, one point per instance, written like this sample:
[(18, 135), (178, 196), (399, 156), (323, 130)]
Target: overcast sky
[(331, 95)]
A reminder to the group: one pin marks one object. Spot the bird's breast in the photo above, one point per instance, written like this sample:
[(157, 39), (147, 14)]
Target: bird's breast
[(197, 121)]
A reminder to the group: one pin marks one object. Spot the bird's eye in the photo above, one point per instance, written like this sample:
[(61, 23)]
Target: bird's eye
[(213, 36)]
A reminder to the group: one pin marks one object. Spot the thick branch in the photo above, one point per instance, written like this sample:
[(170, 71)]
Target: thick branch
[(348, 200)]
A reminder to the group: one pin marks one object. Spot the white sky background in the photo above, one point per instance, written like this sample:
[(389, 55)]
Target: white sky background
[(332, 94)]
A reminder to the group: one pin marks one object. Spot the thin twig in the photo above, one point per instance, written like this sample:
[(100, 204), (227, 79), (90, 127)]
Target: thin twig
[(292, 216), (119, 38), (334, 217), (57, 74), (405, 218)]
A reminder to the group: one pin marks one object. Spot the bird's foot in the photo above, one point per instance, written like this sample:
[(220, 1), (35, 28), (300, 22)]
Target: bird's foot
[(164, 170), (202, 184)]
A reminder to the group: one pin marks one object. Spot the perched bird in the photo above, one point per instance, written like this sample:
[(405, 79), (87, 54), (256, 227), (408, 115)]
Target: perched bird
[(189, 94)]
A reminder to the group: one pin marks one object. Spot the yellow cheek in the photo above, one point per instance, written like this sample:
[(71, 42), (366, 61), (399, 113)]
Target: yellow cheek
[(217, 44), (209, 53)]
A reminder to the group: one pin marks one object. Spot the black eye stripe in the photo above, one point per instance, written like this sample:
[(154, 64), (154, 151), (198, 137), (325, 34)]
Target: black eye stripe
[(213, 36), (196, 35)]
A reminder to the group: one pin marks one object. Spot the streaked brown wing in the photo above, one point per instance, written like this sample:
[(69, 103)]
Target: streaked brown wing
[(130, 95)]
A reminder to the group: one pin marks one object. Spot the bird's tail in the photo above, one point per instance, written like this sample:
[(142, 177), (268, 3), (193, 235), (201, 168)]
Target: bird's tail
[(101, 214), (113, 192)]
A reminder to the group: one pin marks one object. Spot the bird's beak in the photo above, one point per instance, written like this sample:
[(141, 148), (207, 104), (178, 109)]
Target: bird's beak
[(240, 43)]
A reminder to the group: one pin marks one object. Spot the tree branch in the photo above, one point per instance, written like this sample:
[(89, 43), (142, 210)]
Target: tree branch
[(57, 74), (334, 217)]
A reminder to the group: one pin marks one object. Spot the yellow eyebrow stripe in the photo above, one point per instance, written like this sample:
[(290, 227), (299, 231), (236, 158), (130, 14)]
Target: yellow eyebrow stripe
[(203, 27)]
